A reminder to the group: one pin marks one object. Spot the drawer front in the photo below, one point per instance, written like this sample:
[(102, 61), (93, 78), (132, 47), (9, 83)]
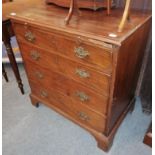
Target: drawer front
[(83, 74), (69, 47), (78, 93), (80, 113)]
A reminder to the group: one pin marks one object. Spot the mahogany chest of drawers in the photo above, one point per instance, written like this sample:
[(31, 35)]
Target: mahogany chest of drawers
[(86, 71)]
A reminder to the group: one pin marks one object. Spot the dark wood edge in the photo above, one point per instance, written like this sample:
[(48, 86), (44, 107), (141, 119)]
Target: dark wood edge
[(121, 118), (148, 136), (51, 28), (113, 78)]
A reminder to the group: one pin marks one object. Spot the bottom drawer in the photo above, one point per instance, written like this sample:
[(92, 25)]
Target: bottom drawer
[(77, 111)]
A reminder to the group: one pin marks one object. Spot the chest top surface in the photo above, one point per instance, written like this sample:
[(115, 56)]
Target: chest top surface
[(91, 24)]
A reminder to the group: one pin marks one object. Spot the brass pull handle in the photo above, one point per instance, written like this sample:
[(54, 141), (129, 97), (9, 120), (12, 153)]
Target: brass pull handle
[(82, 73), (29, 36), (80, 52), (39, 75), (35, 55), (82, 96), (83, 116), (44, 94)]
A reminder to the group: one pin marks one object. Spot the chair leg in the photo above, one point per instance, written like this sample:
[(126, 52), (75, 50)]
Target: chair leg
[(108, 7), (4, 73), (128, 18), (125, 16), (73, 9)]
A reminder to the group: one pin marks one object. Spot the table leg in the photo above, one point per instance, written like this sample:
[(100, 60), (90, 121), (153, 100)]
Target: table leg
[(4, 73), (6, 41)]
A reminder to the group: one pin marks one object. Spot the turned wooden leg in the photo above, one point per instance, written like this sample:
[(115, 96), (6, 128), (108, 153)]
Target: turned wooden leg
[(4, 73), (133, 101), (73, 9), (6, 40), (14, 66), (34, 101), (67, 19), (125, 16), (108, 7), (128, 18)]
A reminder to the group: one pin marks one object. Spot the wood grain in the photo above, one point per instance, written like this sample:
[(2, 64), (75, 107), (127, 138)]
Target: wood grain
[(114, 62), (98, 57), (128, 70), (94, 25), (148, 136), (66, 105), (97, 80), (68, 87)]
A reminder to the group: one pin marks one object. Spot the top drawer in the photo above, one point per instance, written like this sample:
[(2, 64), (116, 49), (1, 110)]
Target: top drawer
[(70, 47)]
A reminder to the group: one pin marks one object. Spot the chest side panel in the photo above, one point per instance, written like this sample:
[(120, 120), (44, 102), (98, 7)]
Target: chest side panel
[(129, 61)]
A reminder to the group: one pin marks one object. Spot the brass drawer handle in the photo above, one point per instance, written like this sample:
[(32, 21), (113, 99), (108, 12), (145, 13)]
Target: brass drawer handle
[(29, 36), (44, 94), (82, 96), (35, 55), (83, 116), (82, 73), (39, 75), (80, 52)]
